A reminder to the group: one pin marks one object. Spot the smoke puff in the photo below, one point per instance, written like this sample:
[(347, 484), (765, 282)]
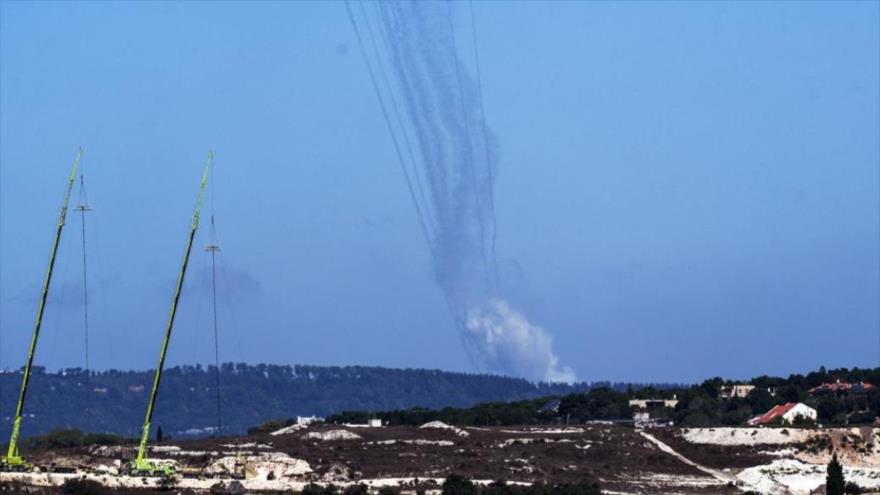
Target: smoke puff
[(510, 342)]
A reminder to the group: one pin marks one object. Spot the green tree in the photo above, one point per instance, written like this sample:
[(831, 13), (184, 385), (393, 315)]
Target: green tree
[(853, 489), (167, 483), (760, 400), (316, 489), (791, 393), (834, 482), (312, 489), (458, 485), (359, 489), (81, 486), (498, 487)]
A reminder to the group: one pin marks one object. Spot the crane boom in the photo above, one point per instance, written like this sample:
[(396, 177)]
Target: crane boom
[(13, 460), (141, 464)]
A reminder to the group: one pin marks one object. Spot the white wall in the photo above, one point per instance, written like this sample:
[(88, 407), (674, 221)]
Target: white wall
[(799, 410)]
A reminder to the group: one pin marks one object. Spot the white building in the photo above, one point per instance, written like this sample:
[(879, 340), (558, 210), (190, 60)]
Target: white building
[(788, 412), (649, 403), (739, 390), (307, 420)]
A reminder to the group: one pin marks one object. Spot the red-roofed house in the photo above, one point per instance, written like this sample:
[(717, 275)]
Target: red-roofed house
[(788, 412), (843, 388)]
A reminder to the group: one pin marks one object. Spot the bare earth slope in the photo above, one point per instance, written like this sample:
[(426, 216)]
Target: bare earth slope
[(657, 461)]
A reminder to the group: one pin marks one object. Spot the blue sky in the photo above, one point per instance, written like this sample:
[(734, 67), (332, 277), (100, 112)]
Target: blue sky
[(685, 189)]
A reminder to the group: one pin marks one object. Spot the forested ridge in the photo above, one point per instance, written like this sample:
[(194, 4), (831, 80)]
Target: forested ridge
[(114, 401)]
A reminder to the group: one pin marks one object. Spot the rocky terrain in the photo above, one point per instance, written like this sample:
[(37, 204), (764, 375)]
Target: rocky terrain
[(624, 460)]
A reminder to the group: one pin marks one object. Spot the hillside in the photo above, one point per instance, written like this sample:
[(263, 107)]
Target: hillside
[(544, 460), (114, 401)]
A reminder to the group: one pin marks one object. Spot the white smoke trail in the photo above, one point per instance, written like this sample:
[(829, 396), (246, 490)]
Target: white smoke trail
[(433, 109), (511, 343)]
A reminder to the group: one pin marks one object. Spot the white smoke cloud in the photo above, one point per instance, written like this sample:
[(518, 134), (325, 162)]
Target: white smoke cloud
[(509, 341)]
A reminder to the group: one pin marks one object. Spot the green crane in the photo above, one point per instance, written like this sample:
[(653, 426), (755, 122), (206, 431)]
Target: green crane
[(142, 466), (13, 460)]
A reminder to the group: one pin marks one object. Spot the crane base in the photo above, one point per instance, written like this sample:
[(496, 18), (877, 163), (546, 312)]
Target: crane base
[(151, 469), (14, 464)]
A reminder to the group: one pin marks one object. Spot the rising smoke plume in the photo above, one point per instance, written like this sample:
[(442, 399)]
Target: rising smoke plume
[(514, 344), (449, 157)]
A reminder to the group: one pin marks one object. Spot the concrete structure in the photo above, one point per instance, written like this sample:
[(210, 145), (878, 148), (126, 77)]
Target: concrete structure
[(374, 423), (643, 419), (739, 390), (307, 420), (649, 403), (551, 406), (786, 413)]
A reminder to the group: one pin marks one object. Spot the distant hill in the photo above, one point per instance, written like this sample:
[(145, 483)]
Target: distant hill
[(114, 401)]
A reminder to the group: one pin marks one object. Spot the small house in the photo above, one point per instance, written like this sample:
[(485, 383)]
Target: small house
[(739, 391), (786, 413), (843, 388)]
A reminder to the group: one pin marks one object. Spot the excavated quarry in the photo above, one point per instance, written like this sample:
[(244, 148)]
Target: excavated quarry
[(624, 460)]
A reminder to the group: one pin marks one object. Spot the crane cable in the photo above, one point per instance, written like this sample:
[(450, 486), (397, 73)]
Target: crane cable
[(213, 247), (82, 207)]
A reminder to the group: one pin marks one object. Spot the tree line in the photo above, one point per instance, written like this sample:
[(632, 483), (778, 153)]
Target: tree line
[(699, 405)]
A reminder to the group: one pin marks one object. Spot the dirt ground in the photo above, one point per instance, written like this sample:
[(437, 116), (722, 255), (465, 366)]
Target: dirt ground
[(715, 456), (625, 460), (617, 456)]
